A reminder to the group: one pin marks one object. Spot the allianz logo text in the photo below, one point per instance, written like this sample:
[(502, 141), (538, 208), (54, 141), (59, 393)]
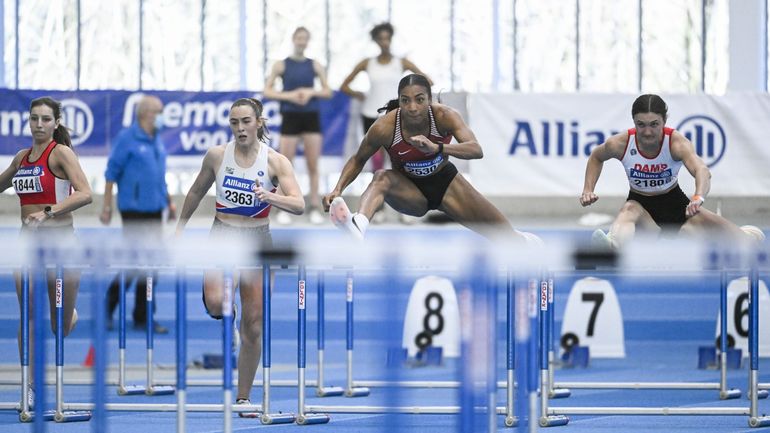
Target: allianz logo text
[(707, 135), (559, 138), (76, 116)]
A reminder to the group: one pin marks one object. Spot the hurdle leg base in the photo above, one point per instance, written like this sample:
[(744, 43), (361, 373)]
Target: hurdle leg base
[(317, 418), (357, 392), (730, 394), (762, 421), (553, 420), (160, 390), (511, 421), (278, 418), (26, 416), (72, 416), (762, 394), (132, 390), (329, 391), (559, 393)]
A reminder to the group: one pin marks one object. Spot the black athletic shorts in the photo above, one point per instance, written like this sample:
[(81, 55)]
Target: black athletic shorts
[(434, 187), (667, 210), (295, 123)]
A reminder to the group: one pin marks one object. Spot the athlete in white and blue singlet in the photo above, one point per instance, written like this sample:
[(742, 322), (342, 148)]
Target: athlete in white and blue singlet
[(247, 172), (652, 156), (417, 137)]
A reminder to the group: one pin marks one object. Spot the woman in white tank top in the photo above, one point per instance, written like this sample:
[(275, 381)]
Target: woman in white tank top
[(247, 172), (384, 72)]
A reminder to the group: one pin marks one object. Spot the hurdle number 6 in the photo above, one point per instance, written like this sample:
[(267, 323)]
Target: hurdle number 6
[(740, 311)]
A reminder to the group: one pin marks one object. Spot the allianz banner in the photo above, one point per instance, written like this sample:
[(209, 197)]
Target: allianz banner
[(538, 144), (195, 121)]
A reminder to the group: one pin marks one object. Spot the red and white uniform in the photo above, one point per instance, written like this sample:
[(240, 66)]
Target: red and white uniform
[(408, 159), (650, 174), (35, 183)]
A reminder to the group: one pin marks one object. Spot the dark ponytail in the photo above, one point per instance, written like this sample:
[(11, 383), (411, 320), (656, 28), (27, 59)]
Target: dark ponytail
[(390, 106), (256, 105), (409, 80), (61, 134)]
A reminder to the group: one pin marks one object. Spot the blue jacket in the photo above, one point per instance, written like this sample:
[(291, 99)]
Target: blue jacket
[(137, 164)]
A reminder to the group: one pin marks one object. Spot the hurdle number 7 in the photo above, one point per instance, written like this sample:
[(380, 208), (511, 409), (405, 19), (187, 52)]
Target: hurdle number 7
[(597, 299)]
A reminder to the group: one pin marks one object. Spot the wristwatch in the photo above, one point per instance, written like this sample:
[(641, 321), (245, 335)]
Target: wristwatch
[(49, 212)]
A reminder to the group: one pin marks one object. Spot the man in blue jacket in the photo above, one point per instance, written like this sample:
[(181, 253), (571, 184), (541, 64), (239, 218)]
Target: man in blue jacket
[(137, 163)]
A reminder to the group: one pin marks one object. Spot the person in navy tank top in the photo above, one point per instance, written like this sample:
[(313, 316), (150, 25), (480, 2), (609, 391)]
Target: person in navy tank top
[(417, 134), (652, 156), (51, 185), (246, 173), (299, 111)]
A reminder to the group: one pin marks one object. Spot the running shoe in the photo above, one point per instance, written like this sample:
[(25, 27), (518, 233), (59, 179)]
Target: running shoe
[(283, 218), (754, 233), (246, 402), (315, 217), (602, 240), (342, 218)]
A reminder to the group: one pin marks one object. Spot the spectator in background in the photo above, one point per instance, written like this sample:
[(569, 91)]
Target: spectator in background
[(384, 72), (137, 164), (299, 110)]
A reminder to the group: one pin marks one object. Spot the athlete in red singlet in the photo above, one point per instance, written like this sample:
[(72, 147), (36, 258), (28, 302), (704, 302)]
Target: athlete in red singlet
[(417, 137), (50, 184), (652, 155)]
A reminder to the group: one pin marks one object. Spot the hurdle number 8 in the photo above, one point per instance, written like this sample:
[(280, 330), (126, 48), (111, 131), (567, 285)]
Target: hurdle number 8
[(425, 338)]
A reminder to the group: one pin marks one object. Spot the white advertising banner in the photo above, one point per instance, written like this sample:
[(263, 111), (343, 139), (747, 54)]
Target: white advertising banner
[(538, 144)]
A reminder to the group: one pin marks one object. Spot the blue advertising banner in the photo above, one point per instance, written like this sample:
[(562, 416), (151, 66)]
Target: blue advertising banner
[(194, 121)]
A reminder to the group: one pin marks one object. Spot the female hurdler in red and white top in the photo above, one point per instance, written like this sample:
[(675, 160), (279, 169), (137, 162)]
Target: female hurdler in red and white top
[(417, 137), (652, 156)]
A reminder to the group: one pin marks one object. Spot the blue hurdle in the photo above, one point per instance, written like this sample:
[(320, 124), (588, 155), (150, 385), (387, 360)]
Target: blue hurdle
[(752, 411), (150, 388), (350, 389), (267, 417), (304, 418), (59, 414), (546, 420), (721, 386), (181, 350), (321, 389)]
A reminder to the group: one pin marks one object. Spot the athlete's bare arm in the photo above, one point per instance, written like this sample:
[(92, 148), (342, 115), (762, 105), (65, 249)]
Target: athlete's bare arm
[(683, 150), (291, 200), (206, 177), (379, 135), (612, 148), (320, 72), (63, 159), (345, 86), (448, 120), (6, 177)]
